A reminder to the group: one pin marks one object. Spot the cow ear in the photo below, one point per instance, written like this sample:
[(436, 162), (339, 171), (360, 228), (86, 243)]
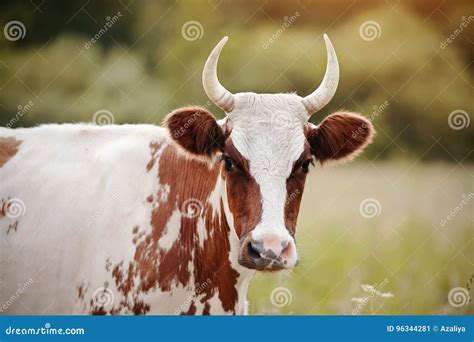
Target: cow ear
[(340, 137), (195, 130)]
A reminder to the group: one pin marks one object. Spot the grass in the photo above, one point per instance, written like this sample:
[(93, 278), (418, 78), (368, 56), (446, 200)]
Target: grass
[(404, 249)]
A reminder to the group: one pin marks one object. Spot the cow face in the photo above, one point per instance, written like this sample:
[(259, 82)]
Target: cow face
[(266, 146), (267, 157)]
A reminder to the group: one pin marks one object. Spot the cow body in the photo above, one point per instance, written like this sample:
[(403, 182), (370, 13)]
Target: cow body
[(100, 226), (139, 219)]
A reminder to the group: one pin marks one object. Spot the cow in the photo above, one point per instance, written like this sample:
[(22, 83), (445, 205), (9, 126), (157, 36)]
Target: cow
[(140, 219)]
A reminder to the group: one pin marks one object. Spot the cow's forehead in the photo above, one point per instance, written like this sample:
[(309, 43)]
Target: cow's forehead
[(268, 130), (251, 106)]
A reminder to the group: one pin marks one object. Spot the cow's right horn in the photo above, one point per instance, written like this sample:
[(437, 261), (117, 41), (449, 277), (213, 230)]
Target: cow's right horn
[(220, 96), (326, 90)]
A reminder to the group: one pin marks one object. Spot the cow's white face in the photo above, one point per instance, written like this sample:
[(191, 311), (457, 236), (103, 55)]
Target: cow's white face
[(267, 131), (266, 145)]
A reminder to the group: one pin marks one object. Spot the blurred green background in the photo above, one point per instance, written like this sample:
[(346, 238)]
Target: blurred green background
[(407, 65)]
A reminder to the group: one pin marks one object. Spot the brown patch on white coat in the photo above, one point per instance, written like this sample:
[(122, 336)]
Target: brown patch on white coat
[(8, 149)]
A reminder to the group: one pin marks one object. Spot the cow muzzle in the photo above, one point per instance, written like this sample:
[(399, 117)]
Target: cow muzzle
[(268, 252)]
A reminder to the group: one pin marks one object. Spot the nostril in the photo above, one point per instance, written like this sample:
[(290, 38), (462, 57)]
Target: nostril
[(255, 248)]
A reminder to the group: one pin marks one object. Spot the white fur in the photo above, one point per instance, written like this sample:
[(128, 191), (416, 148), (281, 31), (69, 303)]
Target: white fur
[(268, 132), (171, 234)]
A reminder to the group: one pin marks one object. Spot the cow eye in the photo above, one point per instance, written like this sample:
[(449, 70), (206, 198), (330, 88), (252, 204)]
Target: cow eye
[(228, 163), (305, 165)]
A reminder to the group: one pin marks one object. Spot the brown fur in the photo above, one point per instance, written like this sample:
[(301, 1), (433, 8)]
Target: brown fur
[(243, 192), (12, 227), (294, 191), (2, 207), (8, 149), (195, 130), (340, 136)]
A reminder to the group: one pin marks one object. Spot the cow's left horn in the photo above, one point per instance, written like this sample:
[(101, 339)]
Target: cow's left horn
[(325, 92), (220, 96)]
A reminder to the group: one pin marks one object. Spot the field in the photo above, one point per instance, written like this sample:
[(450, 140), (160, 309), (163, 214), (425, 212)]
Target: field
[(382, 224)]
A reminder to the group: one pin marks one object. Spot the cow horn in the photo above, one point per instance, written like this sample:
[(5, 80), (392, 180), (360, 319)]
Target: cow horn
[(325, 92), (220, 96)]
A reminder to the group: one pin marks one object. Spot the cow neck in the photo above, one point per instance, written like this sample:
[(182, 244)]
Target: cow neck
[(200, 256)]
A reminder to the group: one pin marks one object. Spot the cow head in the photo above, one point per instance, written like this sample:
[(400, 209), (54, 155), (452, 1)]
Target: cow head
[(266, 146)]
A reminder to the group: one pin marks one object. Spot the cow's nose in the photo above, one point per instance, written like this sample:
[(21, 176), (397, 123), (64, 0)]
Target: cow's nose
[(269, 252)]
